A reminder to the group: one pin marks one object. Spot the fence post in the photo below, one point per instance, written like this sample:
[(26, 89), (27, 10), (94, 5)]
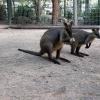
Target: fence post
[(75, 12), (9, 10), (64, 8)]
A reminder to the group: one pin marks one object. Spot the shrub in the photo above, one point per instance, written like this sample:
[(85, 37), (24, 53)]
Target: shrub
[(69, 15), (23, 15), (2, 12), (95, 16)]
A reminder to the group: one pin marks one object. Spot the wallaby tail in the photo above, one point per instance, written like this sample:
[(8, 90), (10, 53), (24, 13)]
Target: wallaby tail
[(30, 52), (38, 54)]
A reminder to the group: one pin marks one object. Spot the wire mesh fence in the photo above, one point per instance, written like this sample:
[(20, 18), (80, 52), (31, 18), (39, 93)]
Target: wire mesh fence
[(25, 11), (89, 12)]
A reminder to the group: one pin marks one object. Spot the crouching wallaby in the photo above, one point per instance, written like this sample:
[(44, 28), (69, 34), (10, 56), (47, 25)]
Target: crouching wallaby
[(53, 40), (82, 38)]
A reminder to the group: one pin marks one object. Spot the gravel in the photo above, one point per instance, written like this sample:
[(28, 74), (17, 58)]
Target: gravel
[(27, 77)]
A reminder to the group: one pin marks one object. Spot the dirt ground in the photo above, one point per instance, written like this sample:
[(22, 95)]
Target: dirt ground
[(27, 77)]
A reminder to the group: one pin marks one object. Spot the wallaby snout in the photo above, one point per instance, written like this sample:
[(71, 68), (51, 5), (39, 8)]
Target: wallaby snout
[(72, 40), (68, 28), (96, 32)]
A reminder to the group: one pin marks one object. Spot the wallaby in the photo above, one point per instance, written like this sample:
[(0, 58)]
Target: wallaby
[(53, 40), (82, 38)]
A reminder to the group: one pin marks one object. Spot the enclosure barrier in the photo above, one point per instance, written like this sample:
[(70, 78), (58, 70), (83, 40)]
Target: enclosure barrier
[(83, 12), (48, 27)]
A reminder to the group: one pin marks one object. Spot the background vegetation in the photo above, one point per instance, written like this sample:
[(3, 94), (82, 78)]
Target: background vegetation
[(49, 11)]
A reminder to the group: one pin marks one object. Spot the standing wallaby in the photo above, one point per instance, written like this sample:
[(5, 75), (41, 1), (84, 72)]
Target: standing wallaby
[(82, 38), (53, 40)]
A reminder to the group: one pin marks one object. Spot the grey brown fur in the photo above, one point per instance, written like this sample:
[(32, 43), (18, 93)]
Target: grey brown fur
[(53, 40), (82, 38)]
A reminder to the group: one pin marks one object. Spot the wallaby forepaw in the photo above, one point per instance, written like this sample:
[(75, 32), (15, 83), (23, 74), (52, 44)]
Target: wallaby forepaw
[(86, 47)]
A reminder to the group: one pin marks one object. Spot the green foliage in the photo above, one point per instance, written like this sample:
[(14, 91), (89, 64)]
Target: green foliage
[(2, 12), (23, 15), (93, 17), (69, 15)]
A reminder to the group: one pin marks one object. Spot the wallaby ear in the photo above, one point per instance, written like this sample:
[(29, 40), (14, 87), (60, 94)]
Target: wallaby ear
[(97, 29), (93, 30), (68, 24), (96, 32), (71, 22), (65, 24)]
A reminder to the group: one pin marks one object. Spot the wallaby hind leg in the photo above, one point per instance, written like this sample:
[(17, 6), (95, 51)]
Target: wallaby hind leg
[(41, 52), (73, 47), (58, 56), (84, 54), (88, 45), (52, 59), (78, 53), (58, 53), (48, 48)]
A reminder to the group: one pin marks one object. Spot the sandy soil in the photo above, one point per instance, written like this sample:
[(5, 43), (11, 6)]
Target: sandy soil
[(27, 77)]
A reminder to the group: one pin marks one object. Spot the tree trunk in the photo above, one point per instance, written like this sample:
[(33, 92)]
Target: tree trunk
[(79, 3), (99, 3), (9, 10), (55, 11), (13, 7), (65, 8), (86, 6), (37, 9)]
